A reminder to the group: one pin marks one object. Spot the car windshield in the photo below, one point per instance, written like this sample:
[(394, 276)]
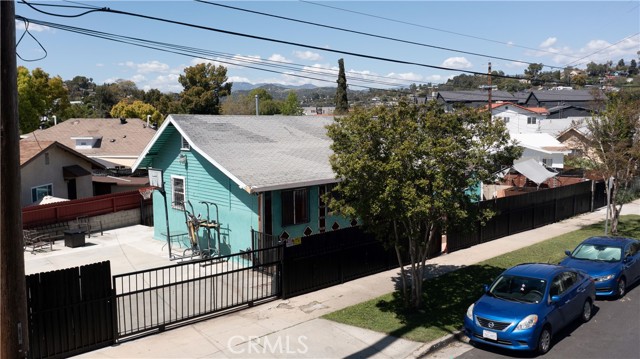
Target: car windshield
[(597, 252), (519, 289)]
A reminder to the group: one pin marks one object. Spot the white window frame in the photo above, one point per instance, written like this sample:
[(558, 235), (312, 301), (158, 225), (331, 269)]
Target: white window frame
[(34, 195), (547, 162), (184, 144), (531, 120), (174, 203)]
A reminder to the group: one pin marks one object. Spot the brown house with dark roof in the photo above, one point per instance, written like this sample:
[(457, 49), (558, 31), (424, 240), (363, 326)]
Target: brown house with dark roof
[(49, 168)]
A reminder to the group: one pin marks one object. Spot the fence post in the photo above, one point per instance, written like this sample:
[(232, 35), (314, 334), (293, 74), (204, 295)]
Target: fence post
[(593, 192)]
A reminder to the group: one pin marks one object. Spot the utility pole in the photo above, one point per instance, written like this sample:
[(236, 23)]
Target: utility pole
[(14, 334), (489, 83), (488, 87)]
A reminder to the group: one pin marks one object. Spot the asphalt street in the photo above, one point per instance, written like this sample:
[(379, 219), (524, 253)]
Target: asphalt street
[(612, 332)]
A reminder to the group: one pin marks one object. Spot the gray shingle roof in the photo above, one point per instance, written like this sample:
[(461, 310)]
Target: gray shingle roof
[(475, 96), (262, 152), (564, 95)]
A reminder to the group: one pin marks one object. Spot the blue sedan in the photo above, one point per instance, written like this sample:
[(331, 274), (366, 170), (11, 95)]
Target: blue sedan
[(613, 262), (527, 304)]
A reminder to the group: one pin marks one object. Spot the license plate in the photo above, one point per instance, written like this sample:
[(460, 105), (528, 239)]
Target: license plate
[(489, 335)]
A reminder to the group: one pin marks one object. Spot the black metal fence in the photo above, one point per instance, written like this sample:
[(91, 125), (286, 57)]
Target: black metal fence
[(330, 258), (527, 211), (157, 298), (70, 311)]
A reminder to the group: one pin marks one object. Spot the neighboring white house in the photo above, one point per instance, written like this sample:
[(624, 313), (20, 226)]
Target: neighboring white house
[(543, 148), (519, 119)]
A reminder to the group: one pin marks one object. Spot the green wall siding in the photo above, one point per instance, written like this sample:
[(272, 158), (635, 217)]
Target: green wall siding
[(297, 230), (238, 210)]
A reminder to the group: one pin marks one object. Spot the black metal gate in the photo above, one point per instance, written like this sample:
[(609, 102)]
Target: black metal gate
[(157, 298), (70, 311)]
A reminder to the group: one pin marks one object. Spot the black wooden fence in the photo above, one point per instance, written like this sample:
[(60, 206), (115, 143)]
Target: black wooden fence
[(527, 211), (70, 311)]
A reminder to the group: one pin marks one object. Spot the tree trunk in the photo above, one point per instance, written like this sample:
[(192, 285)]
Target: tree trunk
[(403, 276)]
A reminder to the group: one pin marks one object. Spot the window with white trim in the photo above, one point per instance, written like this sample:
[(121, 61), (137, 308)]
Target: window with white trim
[(531, 120), (547, 162), (184, 144), (37, 193), (178, 191)]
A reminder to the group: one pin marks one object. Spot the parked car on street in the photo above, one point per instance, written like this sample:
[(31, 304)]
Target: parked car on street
[(613, 262), (528, 304)]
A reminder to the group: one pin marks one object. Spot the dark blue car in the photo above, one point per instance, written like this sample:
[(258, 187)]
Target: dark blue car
[(613, 262), (527, 304)]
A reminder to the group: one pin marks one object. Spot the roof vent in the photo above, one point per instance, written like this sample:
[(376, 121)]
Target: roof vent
[(123, 120)]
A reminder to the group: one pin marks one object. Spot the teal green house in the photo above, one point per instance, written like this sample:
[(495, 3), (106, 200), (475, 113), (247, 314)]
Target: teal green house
[(265, 174)]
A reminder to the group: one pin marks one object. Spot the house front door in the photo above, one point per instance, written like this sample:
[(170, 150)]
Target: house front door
[(72, 192)]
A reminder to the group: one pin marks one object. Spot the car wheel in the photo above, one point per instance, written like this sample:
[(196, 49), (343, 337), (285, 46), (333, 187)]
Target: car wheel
[(622, 288), (586, 311), (544, 342)]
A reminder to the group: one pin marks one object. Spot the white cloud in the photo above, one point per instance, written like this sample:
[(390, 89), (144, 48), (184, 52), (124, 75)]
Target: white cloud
[(32, 27), (549, 42), (307, 55), (516, 65), (457, 63), (238, 79), (164, 83), (595, 50), (152, 66), (279, 58), (407, 76), (138, 78)]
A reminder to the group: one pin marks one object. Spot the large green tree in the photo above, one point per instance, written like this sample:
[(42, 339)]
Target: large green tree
[(407, 172), (80, 87), (204, 84), (342, 103), (291, 106), (135, 109), (613, 149), (39, 95)]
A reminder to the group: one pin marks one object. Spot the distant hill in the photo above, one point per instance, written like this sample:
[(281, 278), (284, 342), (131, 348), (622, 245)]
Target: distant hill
[(310, 95)]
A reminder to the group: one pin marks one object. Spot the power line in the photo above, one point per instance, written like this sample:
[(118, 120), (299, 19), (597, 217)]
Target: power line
[(256, 37), (369, 34), (200, 53), (612, 45), (428, 27)]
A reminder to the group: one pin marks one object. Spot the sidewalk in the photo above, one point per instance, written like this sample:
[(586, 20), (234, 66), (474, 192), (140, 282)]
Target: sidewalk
[(293, 328)]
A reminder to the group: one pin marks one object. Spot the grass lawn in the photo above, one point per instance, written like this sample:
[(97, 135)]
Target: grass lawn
[(448, 296)]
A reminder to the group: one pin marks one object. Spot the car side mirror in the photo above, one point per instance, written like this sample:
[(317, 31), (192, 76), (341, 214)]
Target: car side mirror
[(555, 298), (485, 288), (568, 253)]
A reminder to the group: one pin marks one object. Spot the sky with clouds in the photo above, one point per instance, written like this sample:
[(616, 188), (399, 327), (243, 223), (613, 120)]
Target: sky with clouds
[(383, 43)]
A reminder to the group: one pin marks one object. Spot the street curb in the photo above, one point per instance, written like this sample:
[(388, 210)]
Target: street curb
[(435, 345)]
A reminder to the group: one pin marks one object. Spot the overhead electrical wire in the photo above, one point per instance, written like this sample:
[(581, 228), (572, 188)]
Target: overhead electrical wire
[(263, 38), (202, 27), (201, 53), (428, 27), (604, 48), (371, 35)]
